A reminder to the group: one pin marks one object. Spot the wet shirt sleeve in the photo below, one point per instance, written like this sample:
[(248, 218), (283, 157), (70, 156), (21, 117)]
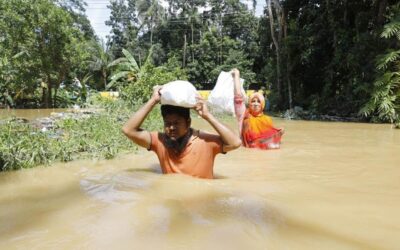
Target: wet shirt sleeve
[(214, 142), (155, 141)]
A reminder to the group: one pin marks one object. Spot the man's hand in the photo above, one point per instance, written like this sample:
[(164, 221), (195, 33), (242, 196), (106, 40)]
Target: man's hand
[(201, 108), (229, 138), (156, 96)]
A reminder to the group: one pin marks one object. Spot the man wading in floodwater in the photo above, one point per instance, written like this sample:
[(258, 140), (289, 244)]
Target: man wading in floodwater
[(181, 149)]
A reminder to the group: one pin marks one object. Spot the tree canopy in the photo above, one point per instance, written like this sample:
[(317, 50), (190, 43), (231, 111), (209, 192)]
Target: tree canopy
[(330, 57)]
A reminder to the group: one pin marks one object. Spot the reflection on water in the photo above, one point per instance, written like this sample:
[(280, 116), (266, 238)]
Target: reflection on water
[(331, 186), (113, 188)]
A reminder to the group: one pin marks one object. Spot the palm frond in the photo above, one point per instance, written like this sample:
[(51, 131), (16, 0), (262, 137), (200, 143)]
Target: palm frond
[(130, 58), (146, 62), (20, 54), (367, 109), (391, 29), (388, 58), (125, 66), (149, 56), (116, 77), (117, 61)]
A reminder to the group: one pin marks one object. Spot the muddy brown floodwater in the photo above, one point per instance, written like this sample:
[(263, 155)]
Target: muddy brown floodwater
[(330, 186), (29, 114)]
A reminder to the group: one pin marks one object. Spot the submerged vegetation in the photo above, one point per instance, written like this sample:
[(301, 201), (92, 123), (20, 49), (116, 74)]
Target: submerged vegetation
[(98, 136)]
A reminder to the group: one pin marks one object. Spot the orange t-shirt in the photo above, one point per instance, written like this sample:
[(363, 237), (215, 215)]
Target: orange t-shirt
[(196, 159)]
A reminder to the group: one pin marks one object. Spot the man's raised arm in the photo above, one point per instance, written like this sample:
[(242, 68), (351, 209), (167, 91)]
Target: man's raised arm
[(230, 139), (132, 127)]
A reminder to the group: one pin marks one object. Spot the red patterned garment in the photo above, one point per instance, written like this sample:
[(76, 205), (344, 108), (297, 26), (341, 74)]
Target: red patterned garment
[(256, 128)]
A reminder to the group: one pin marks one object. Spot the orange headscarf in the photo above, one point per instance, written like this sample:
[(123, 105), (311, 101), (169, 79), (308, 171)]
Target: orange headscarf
[(258, 130), (261, 98)]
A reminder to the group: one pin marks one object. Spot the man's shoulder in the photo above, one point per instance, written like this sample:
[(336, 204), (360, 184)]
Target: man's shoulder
[(156, 133), (207, 136), (156, 137)]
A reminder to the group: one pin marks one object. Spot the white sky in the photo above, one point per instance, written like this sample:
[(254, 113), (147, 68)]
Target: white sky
[(98, 13)]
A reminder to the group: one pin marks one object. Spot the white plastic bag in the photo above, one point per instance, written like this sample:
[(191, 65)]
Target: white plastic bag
[(179, 93), (221, 98)]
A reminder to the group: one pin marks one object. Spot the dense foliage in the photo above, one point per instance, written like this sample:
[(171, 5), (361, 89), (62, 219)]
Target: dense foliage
[(320, 55), (384, 104), (43, 44), (328, 57)]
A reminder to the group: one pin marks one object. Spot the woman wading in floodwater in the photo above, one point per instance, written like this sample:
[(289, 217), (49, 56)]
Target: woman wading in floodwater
[(256, 129)]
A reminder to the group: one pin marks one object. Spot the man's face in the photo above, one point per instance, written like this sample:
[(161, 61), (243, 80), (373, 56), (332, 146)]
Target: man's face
[(175, 126)]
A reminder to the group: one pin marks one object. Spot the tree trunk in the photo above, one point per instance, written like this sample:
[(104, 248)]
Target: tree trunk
[(382, 5), (191, 26), (151, 36), (48, 94), (55, 97), (151, 31), (346, 13), (50, 105), (331, 69), (104, 75), (279, 19), (288, 71), (222, 40), (61, 76), (44, 95), (277, 49), (184, 51)]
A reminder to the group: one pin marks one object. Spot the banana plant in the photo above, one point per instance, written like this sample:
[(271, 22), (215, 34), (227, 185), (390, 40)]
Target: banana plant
[(127, 68)]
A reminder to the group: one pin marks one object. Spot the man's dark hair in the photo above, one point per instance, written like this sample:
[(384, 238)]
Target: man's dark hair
[(170, 109)]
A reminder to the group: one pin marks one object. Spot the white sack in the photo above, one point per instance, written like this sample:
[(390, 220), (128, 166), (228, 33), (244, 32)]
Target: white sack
[(179, 93), (221, 98)]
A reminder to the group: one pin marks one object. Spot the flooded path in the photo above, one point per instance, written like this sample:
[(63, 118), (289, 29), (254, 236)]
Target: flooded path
[(29, 114), (330, 186)]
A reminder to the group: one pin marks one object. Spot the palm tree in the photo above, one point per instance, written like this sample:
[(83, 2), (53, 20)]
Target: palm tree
[(193, 18), (150, 12), (101, 58)]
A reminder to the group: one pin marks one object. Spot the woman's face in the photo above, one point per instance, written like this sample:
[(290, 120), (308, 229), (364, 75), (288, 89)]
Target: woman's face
[(255, 105)]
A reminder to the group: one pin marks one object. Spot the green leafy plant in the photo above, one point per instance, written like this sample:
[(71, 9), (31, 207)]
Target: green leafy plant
[(127, 69), (384, 104)]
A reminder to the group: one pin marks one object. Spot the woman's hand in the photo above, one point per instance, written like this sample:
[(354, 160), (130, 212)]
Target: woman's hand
[(235, 73), (201, 108)]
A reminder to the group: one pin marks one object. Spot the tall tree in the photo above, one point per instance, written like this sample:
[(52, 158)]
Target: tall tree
[(99, 61), (150, 13), (52, 42), (124, 26), (276, 38)]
